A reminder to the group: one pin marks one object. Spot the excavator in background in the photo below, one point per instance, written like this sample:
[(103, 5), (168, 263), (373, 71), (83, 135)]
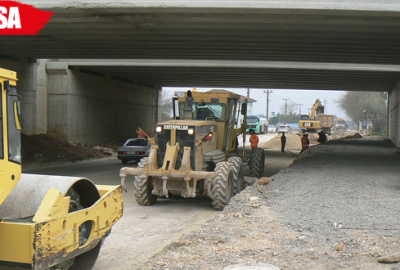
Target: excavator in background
[(317, 120), (196, 153), (47, 222)]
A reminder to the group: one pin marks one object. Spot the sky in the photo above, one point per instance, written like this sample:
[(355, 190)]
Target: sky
[(305, 97)]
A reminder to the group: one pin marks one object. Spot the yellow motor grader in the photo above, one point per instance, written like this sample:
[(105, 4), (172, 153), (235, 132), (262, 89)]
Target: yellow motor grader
[(47, 222), (196, 152)]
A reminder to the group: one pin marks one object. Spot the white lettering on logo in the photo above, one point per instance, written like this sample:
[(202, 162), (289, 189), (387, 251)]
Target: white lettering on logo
[(178, 127), (13, 21)]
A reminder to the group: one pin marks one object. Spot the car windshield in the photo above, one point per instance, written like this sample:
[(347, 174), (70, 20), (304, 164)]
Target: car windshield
[(138, 142), (283, 127)]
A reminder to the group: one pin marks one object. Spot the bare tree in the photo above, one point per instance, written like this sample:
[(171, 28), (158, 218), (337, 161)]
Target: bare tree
[(291, 108), (166, 106)]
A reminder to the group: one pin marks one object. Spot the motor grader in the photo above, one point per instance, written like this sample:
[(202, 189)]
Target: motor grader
[(47, 222), (196, 152)]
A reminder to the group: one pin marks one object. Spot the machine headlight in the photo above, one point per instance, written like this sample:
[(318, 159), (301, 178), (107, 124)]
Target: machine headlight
[(158, 129), (190, 131)]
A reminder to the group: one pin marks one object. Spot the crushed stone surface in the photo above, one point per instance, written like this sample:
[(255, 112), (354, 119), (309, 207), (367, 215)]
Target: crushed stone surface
[(335, 207)]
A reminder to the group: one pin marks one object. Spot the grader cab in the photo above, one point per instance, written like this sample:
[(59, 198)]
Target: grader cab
[(196, 152)]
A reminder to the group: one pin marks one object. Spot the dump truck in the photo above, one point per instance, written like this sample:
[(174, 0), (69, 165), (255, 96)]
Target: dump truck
[(327, 122), (47, 222), (196, 153), (340, 123), (317, 120)]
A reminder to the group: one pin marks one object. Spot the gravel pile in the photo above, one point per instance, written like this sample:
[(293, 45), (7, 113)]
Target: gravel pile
[(293, 142), (336, 207)]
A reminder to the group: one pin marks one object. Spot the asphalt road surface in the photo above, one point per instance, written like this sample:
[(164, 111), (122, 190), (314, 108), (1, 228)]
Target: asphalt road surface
[(144, 231)]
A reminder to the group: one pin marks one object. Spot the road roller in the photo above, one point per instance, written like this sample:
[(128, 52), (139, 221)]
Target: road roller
[(47, 222)]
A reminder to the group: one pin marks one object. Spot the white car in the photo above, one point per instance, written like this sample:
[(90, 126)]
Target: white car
[(271, 128), (133, 149), (284, 129)]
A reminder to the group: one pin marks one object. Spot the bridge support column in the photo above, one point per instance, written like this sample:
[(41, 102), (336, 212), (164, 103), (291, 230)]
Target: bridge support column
[(84, 107), (32, 87), (394, 115)]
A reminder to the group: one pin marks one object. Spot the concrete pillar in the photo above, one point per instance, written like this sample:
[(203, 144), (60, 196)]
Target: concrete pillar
[(58, 99), (84, 107), (26, 88), (394, 115), (41, 97)]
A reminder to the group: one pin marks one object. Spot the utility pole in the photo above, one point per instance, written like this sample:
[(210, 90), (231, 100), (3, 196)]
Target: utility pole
[(267, 92), (300, 109), (245, 121), (286, 100)]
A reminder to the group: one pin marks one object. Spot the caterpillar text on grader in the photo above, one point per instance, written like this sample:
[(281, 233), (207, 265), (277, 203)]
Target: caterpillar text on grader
[(47, 222), (197, 152)]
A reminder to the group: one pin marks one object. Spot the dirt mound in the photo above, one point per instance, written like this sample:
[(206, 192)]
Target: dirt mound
[(353, 136), (48, 148), (313, 137), (293, 142)]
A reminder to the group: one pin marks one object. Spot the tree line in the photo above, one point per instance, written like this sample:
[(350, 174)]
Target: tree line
[(367, 108)]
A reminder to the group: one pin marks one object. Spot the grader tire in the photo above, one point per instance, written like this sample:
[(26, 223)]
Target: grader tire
[(238, 183), (222, 185), (257, 163), (143, 187)]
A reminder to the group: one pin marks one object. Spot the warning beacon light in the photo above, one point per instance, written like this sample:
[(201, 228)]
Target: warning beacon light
[(142, 134), (208, 137)]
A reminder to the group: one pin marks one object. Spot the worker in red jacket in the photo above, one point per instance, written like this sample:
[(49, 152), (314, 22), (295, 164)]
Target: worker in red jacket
[(253, 139)]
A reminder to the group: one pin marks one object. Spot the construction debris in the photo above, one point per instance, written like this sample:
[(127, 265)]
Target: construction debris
[(49, 148), (392, 258), (263, 181)]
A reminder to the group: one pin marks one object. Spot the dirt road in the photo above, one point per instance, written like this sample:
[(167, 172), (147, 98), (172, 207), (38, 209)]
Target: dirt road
[(337, 207), (144, 231), (262, 137)]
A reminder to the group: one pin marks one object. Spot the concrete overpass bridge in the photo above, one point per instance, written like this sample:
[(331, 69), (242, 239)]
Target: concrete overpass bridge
[(118, 54)]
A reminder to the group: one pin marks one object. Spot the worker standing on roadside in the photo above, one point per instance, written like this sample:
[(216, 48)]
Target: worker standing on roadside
[(283, 142), (304, 143), (253, 140), (322, 137)]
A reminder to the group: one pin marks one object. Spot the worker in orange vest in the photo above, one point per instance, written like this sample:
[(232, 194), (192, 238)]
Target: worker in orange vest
[(304, 143), (253, 140)]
